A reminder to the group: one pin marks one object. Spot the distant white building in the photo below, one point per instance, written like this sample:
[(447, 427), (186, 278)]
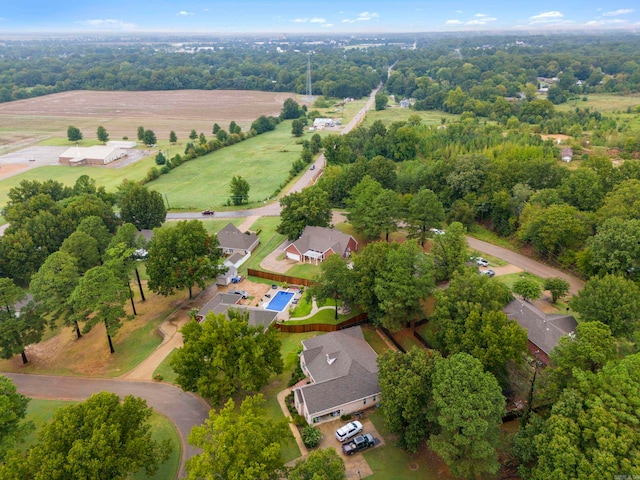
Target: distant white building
[(320, 123), (96, 155), (122, 144)]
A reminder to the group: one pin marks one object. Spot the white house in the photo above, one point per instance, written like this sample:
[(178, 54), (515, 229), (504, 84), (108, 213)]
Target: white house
[(96, 155)]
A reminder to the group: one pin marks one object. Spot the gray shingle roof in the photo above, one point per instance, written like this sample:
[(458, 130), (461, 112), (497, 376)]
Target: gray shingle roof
[(231, 237), (343, 367), (543, 330), (321, 239), (223, 302)]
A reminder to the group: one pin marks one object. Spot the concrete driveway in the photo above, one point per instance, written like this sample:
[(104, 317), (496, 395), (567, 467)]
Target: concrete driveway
[(184, 409)]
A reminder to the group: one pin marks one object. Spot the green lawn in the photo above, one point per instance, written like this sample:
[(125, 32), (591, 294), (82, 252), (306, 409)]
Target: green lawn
[(327, 316), (304, 270), (481, 233), (303, 308), (373, 339), (396, 114), (41, 411), (165, 370), (136, 347), (290, 345), (269, 240), (389, 462), (603, 102), (512, 278), (264, 161)]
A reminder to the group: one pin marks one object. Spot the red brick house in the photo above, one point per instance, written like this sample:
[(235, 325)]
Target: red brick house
[(317, 243)]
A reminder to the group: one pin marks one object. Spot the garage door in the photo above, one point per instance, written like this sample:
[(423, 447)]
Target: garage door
[(293, 256)]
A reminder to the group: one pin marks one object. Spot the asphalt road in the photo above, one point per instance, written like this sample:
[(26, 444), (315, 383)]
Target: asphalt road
[(527, 264), (184, 409)]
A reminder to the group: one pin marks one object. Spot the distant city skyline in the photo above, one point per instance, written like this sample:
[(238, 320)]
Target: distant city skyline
[(323, 17)]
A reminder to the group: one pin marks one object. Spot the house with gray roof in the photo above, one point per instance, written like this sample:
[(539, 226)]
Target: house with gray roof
[(342, 370), (543, 330), (232, 240), (223, 302), (317, 243)]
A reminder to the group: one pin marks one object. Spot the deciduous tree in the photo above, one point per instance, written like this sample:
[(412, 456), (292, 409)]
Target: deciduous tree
[(470, 406), (527, 288), (143, 208), (83, 248), (299, 209), (405, 385), (74, 134), (450, 251), (101, 438), (612, 300), (221, 356), (558, 287), (334, 281), (20, 329), (322, 464), (13, 409), (182, 256), (425, 212), (239, 190), (297, 128), (149, 138), (102, 134), (290, 109), (242, 445)]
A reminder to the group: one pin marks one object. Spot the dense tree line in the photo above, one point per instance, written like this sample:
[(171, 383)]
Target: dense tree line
[(32, 69)]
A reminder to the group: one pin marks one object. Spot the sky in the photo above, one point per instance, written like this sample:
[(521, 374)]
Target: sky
[(313, 17)]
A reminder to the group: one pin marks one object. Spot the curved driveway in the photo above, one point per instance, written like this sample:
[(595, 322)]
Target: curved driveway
[(184, 409)]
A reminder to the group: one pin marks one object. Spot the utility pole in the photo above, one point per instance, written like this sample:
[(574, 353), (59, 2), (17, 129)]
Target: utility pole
[(309, 91)]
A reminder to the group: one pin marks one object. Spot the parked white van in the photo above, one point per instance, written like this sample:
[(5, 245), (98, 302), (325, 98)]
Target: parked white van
[(348, 431)]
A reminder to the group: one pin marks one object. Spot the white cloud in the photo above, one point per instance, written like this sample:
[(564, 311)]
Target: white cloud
[(301, 20), (108, 24), (481, 21), (546, 17), (317, 20), (458, 11), (184, 13), (481, 15), (327, 25), (348, 20), (365, 16), (615, 13), (453, 22)]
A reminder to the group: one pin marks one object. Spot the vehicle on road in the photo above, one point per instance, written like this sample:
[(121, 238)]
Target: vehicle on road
[(481, 262), (349, 430), (313, 167), (359, 443), (489, 272), (242, 293), (208, 212)]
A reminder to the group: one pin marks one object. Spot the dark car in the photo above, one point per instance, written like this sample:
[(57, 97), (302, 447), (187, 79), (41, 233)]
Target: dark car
[(208, 212), (359, 443)]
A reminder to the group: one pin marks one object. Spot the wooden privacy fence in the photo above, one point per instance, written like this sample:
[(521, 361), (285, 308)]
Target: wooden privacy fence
[(277, 277), (322, 327)]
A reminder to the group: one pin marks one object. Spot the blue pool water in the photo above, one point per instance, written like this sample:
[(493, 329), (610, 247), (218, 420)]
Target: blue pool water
[(280, 301)]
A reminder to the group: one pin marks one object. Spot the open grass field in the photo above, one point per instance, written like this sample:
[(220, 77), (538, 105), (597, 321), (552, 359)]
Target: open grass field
[(26, 122), (397, 114), (41, 411), (264, 161), (603, 102)]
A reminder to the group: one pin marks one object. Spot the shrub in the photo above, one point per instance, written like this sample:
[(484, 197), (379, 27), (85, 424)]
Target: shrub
[(345, 418), (311, 436), (299, 420), (296, 376)]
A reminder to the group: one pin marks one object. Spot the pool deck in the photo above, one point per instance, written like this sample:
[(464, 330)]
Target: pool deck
[(284, 313)]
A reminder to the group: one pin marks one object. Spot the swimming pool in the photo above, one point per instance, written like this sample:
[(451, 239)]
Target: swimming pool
[(280, 301)]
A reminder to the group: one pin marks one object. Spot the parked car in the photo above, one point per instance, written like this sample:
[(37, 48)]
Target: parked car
[(359, 443), (349, 430), (489, 272), (481, 262), (313, 167), (242, 293), (208, 212), (436, 231)]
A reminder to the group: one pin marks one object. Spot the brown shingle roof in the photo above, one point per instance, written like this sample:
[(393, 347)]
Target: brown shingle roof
[(321, 239), (231, 237)]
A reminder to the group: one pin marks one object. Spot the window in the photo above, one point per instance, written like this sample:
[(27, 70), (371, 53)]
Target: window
[(374, 398), (365, 402)]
